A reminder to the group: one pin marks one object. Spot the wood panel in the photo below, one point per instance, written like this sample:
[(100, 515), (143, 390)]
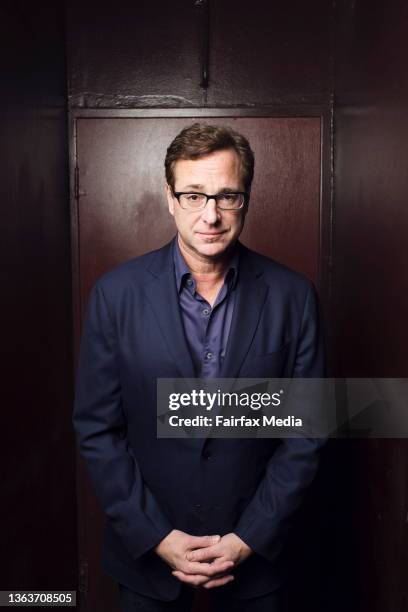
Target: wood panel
[(38, 488), (150, 54), (122, 213), (134, 53), (370, 288), (270, 52)]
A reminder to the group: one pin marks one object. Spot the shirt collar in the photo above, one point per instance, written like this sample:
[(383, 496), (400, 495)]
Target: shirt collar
[(182, 271)]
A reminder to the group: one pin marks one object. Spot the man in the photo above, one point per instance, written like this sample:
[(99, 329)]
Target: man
[(206, 513)]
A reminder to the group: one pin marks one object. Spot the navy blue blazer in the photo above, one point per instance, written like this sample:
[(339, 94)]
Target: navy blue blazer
[(132, 335)]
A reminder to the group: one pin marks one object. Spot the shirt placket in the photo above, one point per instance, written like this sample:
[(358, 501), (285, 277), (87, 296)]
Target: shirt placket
[(211, 356)]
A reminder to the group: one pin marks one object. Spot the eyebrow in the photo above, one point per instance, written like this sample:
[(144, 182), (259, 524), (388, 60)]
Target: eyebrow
[(222, 190), (196, 186)]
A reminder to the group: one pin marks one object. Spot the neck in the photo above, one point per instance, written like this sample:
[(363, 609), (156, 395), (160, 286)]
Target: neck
[(203, 268)]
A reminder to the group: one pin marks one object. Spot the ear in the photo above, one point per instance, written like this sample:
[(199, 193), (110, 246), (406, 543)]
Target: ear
[(170, 198)]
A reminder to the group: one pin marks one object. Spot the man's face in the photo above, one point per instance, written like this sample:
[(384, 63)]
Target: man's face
[(208, 233)]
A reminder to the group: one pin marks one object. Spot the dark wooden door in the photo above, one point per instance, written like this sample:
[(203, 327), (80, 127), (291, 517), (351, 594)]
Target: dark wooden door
[(120, 212)]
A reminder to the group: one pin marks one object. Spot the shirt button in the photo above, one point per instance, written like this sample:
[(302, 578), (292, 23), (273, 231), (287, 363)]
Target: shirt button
[(206, 312), (209, 355), (222, 353)]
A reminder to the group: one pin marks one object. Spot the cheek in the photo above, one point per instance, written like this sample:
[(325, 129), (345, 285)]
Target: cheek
[(183, 222), (237, 224), (192, 221)]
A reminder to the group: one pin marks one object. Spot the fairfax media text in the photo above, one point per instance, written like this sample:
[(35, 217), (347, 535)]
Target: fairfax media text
[(241, 421)]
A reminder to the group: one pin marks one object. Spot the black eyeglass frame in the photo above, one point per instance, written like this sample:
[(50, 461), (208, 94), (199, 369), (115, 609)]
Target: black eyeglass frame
[(215, 197)]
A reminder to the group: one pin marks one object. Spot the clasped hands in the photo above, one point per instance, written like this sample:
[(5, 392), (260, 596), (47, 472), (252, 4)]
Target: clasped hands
[(202, 561)]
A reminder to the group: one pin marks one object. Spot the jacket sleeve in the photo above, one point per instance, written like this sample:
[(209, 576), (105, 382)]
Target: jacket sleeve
[(101, 431), (265, 521)]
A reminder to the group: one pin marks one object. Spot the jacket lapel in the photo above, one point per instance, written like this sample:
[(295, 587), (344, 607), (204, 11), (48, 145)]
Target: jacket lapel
[(251, 294), (162, 295)]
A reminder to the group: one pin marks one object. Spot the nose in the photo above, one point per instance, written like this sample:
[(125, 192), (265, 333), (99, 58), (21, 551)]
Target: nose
[(211, 213)]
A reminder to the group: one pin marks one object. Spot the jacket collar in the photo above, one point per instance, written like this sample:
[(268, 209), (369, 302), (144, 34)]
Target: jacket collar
[(163, 297), (251, 295)]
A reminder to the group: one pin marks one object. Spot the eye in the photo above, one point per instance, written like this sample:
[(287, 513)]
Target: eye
[(228, 198), (193, 197)]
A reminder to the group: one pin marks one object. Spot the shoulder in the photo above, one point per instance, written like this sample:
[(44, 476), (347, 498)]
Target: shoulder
[(276, 274), (134, 272)]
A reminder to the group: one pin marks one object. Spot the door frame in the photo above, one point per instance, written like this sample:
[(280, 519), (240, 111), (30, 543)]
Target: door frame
[(326, 222)]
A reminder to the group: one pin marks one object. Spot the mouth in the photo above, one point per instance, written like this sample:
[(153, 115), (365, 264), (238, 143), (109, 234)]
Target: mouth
[(211, 234), (210, 237)]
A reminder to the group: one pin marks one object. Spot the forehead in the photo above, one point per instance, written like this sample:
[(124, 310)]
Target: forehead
[(223, 166)]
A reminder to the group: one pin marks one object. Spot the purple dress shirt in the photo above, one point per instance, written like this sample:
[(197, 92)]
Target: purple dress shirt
[(206, 328)]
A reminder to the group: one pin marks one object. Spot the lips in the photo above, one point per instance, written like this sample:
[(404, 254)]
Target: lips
[(210, 233)]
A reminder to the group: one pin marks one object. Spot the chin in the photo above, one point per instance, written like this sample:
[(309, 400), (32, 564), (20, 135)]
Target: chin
[(211, 250)]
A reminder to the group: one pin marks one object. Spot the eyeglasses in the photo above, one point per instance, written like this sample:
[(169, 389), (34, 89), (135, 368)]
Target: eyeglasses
[(224, 201)]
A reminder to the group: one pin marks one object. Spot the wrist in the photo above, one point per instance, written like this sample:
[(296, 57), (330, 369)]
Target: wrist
[(163, 545), (244, 551)]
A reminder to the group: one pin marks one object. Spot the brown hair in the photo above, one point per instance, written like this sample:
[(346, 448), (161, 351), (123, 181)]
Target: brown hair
[(200, 139)]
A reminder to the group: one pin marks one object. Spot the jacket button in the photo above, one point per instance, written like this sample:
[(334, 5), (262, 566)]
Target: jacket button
[(198, 507), (206, 454)]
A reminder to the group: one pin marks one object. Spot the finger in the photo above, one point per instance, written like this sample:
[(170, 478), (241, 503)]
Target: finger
[(216, 582), (203, 541), (204, 554), (196, 579), (191, 579), (206, 569)]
